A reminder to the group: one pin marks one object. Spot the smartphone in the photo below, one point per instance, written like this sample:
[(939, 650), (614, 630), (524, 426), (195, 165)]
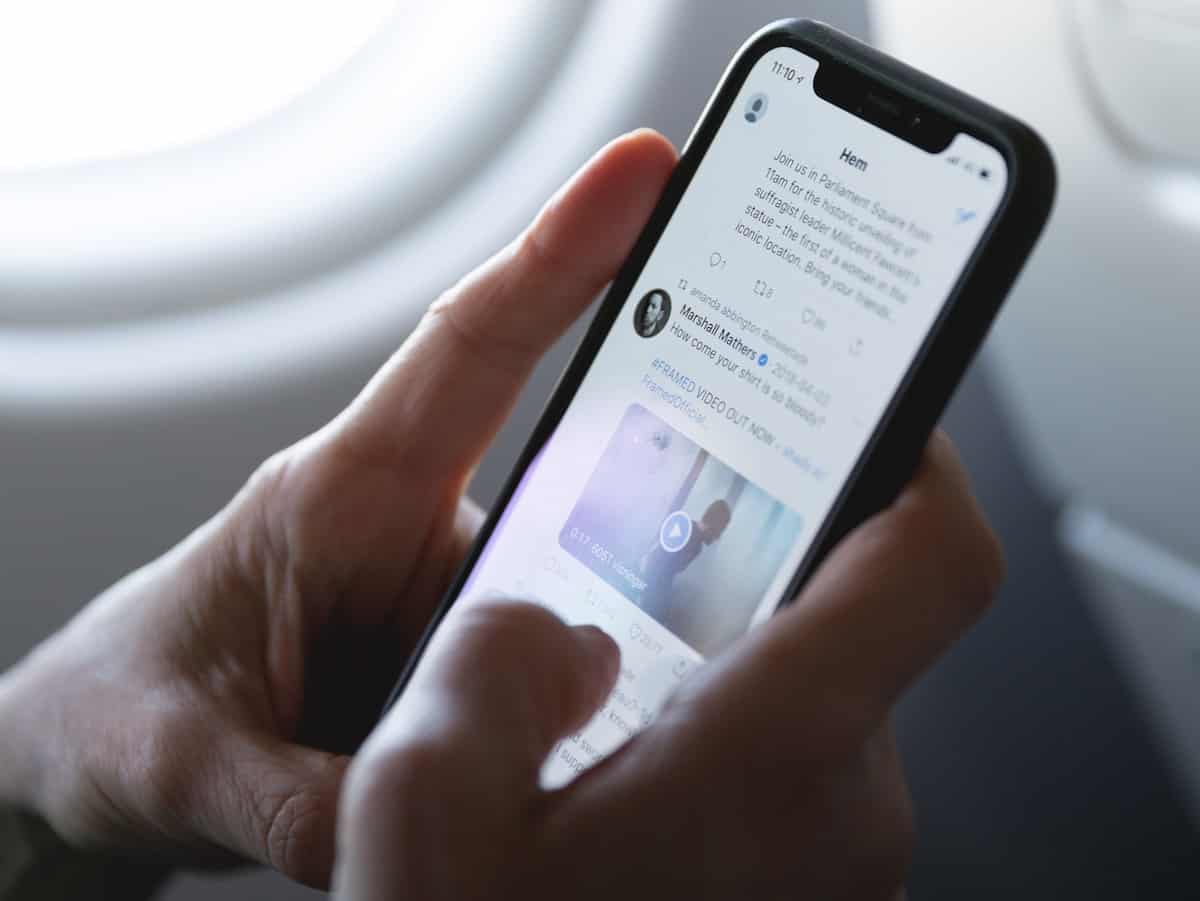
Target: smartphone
[(766, 368)]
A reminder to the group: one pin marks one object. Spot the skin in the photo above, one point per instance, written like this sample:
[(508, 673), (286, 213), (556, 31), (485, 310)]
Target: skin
[(205, 707)]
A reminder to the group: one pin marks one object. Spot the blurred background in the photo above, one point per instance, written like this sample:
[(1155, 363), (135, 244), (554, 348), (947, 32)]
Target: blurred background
[(217, 219)]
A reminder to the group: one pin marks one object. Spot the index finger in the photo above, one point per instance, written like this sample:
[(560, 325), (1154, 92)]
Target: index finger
[(462, 368)]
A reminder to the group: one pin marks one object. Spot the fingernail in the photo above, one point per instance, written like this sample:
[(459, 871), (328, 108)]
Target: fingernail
[(600, 652)]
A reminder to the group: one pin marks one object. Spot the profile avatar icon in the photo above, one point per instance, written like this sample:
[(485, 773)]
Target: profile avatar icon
[(651, 313), (756, 108)]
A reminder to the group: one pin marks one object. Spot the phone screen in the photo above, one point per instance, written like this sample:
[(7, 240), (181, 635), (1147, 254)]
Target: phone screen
[(774, 320)]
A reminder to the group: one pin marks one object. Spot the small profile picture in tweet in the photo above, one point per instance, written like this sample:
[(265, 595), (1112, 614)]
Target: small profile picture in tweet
[(678, 532), (651, 313)]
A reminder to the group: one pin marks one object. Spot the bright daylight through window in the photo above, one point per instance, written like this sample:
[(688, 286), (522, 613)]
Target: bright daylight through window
[(83, 81)]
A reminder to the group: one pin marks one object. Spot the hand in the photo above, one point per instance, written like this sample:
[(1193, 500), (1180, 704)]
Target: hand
[(772, 773), (205, 703)]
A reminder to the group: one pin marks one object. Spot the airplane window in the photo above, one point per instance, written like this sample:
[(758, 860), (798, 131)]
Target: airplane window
[(177, 156), (1140, 57), (90, 81), (300, 220)]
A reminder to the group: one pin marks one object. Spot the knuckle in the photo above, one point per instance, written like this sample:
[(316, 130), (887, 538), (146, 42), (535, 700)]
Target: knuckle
[(468, 311), (533, 252), (268, 474), (259, 505), (297, 506), (257, 520)]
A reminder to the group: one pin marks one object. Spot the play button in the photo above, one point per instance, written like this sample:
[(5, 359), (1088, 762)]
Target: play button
[(675, 532)]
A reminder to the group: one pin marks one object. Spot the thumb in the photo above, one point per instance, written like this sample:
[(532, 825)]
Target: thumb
[(438, 793), (282, 808)]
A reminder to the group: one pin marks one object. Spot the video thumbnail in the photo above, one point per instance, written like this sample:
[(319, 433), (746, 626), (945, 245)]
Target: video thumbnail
[(679, 532)]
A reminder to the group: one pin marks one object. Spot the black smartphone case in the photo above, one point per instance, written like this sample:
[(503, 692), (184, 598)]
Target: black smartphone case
[(894, 449)]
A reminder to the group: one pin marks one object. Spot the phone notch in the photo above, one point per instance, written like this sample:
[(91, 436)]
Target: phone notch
[(894, 112)]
